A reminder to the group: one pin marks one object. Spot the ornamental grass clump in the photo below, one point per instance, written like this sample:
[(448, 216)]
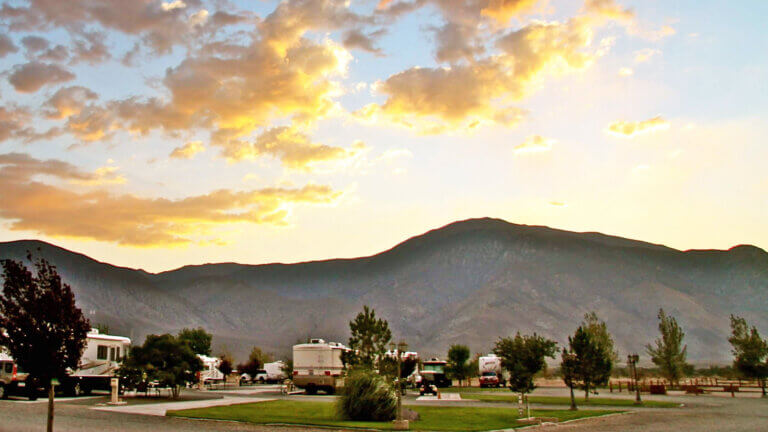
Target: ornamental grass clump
[(367, 396)]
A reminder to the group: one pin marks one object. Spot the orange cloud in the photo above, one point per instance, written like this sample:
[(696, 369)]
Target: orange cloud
[(188, 150), (30, 77), (504, 10), (68, 101), (610, 9), (534, 144), (630, 129), (32, 205)]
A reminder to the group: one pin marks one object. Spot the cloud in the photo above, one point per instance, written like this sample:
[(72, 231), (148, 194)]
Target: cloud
[(30, 77), (456, 42), (356, 39), (630, 129), (30, 204), (188, 150), (645, 54), (625, 71), (465, 96), (34, 44), (68, 101), (12, 121), (504, 10), (7, 46), (534, 144), (610, 9), (292, 147)]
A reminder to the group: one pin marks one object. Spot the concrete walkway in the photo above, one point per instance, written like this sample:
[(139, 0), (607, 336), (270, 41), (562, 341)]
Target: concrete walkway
[(160, 409)]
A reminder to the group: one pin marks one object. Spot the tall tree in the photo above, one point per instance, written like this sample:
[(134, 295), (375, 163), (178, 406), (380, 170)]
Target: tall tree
[(198, 339), (523, 357), (599, 334), (458, 366), (166, 359), (668, 351), (592, 362), (750, 351), (568, 367), (256, 360), (225, 365), (368, 338), (40, 324)]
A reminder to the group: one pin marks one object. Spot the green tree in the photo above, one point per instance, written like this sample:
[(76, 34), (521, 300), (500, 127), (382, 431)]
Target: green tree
[(256, 360), (198, 339), (40, 324), (592, 362), (523, 357), (749, 351), (368, 339), (600, 335), (568, 365), (668, 351), (225, 365), (458, 366), (166, 359)]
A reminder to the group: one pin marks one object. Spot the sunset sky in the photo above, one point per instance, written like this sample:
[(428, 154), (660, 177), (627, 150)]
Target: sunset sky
[(154, 134)]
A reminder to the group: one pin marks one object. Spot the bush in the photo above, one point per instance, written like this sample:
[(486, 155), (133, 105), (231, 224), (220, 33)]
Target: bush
[(367, 396)]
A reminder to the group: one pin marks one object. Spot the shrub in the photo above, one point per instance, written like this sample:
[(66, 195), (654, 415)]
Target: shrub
[(367, 396)]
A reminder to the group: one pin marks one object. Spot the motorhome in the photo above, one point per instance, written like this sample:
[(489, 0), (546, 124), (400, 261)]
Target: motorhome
[(317, 365), (101, 358), (433, 371), (490, 371)]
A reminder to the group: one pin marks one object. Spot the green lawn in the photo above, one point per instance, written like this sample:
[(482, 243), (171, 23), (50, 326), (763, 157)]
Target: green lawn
[(558, 400), (323, 414)]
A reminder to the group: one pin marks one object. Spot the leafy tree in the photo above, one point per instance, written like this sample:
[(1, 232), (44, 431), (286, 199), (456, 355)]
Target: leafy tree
[(225, 366), (40, 324), (166, 359), (598, 332), (458, 366), (568, 366), (288, 368), (198, 339), (592, 362), (669, 353), (368, 339), (256, 360), (523, 357), (367, 396), (749, 351)]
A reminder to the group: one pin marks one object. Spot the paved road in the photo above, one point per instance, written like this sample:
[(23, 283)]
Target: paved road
[(701, 413)]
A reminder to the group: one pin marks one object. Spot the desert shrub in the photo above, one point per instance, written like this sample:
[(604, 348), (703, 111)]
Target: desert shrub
[(367, 396)]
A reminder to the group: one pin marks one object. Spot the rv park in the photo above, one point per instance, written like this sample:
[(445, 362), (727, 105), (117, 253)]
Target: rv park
[(371, 382)]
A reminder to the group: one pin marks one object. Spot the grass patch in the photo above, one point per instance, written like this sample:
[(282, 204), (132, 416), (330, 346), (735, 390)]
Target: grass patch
[(564, 400), (433, 418)]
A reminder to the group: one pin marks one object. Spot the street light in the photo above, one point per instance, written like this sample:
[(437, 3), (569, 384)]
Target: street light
[(632, 360), (397, 349)]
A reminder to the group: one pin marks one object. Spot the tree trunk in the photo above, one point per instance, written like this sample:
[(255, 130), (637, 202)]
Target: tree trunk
[(573, 399), (762, 385), (586, 391), (50, 407)]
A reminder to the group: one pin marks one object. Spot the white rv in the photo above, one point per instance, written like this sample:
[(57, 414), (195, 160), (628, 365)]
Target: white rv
[(210, 373), (101, 358), (490, 371), (272, 372), (317, 366)]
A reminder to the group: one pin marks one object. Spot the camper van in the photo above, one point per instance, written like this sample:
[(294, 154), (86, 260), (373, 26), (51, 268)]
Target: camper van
[(490, 371), (433, 371), (317, 366)]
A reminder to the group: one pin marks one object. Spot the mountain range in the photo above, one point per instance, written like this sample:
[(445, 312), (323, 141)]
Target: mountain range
[(469, 282)]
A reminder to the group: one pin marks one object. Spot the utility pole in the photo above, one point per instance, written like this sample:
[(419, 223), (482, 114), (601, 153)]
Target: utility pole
[(632, 360)]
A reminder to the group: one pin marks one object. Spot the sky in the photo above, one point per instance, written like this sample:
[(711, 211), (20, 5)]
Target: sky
[(158, 133)]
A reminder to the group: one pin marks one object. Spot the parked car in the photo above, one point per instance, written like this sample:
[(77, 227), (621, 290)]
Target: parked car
[(13, 380)]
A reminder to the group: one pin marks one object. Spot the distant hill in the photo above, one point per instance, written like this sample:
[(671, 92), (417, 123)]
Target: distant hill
[(468, 282)]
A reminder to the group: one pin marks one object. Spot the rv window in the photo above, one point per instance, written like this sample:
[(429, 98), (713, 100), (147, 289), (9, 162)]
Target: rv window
[(101, 352), (117, 354), (112, 353)]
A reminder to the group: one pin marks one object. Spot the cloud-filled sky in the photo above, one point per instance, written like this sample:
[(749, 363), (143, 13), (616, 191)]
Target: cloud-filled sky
[(158, 133)]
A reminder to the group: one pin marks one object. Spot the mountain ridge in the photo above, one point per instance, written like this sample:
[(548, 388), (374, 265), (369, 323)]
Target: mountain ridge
[(467, 282)]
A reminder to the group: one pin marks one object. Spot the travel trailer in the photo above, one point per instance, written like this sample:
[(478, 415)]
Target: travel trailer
[(490, 371), (272, 372), (210, 373), (317, 366)]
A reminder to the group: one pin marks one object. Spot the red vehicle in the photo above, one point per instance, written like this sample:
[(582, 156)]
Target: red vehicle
[(489, 379)]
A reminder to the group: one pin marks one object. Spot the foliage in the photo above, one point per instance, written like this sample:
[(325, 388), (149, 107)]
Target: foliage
[(568, 370), (367, 396), (256, 360), (749, 351), (523, 357), (198, 339), (599, 334), (458, 365), (591, 361), (40, 324), (368, 339), (163, 358), (225, 365), (287, 368), (669, 353)]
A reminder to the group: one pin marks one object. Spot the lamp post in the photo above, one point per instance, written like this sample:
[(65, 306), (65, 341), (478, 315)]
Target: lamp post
[(632, 360), (398, 349)]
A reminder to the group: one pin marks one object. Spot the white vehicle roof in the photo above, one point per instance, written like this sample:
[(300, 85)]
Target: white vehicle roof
[(319, 344), (94, 334)]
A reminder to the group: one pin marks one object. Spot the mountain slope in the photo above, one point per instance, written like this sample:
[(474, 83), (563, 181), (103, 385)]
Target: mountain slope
[(468, 282)]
